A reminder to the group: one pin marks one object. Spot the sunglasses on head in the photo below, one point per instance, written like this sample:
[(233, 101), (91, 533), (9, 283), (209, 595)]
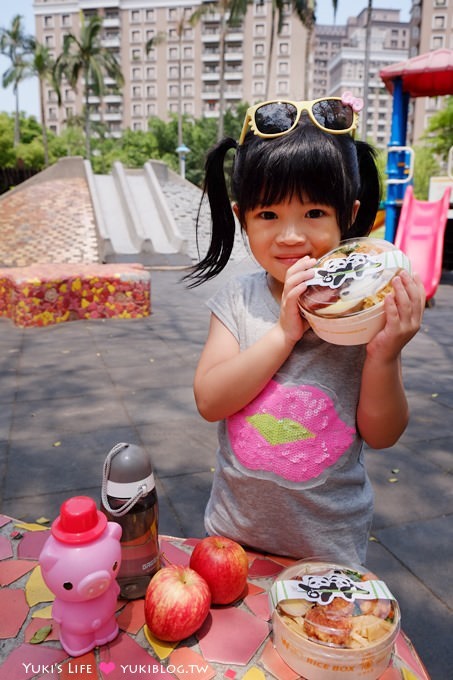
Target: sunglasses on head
[(276, 118)]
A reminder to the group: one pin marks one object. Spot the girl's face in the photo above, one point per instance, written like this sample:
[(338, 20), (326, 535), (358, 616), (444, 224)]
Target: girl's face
[(283, 233)]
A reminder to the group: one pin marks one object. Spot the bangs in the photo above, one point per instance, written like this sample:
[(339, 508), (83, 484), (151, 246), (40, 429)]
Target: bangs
[(277, 170)]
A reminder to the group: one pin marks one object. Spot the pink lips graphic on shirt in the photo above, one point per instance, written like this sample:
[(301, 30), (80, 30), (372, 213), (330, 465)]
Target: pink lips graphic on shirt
[(293, 432)]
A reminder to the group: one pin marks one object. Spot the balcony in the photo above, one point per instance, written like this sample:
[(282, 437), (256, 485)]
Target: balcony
[(111, 22), (111, 41)]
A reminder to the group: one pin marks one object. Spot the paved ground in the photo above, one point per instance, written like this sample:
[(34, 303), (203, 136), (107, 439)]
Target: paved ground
[(70, 392)]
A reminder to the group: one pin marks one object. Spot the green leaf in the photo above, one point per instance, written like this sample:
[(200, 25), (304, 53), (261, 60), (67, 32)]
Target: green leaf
[(40, 635), (279, 430)]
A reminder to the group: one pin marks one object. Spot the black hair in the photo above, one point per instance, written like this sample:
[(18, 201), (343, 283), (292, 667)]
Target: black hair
[(306, 163)]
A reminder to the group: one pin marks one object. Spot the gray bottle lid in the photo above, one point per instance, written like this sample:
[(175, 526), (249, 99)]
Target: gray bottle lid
[(130, 465), (127, 474)]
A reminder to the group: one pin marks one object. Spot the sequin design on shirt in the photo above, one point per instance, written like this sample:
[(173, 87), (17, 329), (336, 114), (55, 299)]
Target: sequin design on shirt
[(293, 432)]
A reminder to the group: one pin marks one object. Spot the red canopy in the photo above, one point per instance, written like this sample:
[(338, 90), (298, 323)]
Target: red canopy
[(426, 75)]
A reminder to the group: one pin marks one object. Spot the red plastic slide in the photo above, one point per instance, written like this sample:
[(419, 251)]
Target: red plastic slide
[(420, 234)]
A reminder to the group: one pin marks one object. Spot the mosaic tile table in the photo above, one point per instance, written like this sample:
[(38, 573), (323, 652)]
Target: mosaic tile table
[(40, 295), (235, 642)]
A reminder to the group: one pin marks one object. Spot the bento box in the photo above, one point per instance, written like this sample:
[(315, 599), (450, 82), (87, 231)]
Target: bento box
[(333, 622), (344, 301)]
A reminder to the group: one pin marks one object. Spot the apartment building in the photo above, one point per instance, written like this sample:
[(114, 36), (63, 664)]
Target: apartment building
[(339, 65), (181, 69), (431, 28)]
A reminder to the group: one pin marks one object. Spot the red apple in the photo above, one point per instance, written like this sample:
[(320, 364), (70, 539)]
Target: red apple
[(177, 602), (224, 565)]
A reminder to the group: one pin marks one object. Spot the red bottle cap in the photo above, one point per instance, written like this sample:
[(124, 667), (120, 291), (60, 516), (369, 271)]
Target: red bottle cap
[(79, 521)]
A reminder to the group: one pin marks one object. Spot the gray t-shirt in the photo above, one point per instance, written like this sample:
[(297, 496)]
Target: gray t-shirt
[(290, 476)]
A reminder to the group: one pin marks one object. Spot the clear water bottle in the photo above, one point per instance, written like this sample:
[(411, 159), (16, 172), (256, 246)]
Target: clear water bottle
[(129, 498)]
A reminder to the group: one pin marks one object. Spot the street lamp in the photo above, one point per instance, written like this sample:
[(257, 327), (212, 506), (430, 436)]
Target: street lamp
[(182, 150)]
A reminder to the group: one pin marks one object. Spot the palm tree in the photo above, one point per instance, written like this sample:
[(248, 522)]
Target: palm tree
[(17, 46), (42, 66), (85, 57), (305, 11), (231, 13)]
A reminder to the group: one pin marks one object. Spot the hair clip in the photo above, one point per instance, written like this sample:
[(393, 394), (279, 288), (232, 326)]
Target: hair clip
[(356, 103)]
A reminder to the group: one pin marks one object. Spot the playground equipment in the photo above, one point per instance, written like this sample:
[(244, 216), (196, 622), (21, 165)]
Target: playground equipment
[(426, 75), (416, 227), (420, 235)]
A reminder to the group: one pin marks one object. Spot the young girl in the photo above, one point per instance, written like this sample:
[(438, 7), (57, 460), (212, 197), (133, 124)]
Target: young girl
[(293, 410)]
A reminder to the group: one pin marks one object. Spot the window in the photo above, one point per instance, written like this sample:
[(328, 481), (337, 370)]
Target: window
[(173, 72), (259, 49), (150, 15), (48, 22), (283, 67), (283, 48), (260, 30), (173, 53), (173, 91), (151, 109), (188, 90), (188, 53), (172, 14), (135, 16), (136, 74), (48, 40), (136, 92), (151, 73), (65, 20), (136, 36), (285, 28), (437, 41), (439, 21), (258, 69), (188, 71), (136, 55), (137, 110), (258, 87), (150, 91)]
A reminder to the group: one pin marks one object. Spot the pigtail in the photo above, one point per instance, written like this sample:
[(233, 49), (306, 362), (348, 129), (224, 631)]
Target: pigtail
[(223, 224), (369, 193)]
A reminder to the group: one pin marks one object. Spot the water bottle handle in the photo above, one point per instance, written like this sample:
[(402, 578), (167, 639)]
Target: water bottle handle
[(141, 491)]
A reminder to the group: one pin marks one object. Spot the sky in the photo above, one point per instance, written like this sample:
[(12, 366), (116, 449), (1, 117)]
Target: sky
[(28, 90)]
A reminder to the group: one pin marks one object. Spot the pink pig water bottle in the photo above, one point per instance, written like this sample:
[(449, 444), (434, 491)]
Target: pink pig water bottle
[(129, 498), (79, 562)]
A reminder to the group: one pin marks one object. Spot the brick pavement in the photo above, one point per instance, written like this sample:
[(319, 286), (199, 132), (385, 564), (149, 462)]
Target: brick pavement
[(48, 222)]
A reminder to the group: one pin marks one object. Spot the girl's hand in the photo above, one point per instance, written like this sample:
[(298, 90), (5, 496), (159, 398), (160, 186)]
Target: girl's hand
[(404, 313), (291, 322)]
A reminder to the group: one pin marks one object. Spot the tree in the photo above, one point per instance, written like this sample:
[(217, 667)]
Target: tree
[(84, 57), (439, 134), (305, 11), (42, 65), (17, 46), (232, 13)]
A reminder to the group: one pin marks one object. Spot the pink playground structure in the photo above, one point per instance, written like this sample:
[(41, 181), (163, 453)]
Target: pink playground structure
[(420, 235)]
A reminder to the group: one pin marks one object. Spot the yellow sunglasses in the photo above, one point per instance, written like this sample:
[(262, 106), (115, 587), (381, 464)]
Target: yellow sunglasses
[(275, 118)]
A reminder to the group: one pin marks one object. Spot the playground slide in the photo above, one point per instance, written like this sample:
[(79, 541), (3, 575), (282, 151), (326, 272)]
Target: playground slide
[(420, 234)]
